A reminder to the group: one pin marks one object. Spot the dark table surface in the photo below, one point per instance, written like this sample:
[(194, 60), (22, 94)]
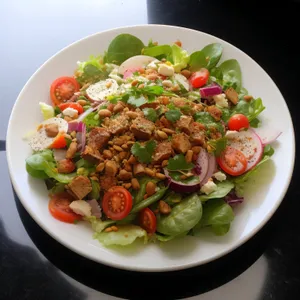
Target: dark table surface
[(34, 266)]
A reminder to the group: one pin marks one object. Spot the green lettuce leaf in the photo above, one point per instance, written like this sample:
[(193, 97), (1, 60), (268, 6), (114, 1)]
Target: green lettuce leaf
[(125, 235), (44, 161), (97, 224), (90, 71), (180, 58)]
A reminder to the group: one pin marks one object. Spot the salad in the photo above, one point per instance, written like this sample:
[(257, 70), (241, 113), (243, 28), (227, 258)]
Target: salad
[(149, 141)]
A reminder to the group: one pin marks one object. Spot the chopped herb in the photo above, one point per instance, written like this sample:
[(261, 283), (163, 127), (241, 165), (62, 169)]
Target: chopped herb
[(178, 162), (173, 115), (150, 114), (143, 152), (218, 145)]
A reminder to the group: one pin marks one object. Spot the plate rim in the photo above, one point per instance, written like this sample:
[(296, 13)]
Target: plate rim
[(84, 254)]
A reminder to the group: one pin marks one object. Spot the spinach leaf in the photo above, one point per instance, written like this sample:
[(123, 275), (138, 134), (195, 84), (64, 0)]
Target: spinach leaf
[(213, 52), (197, 61), (183, 217), (231, 74), (36, 173), (161, 51), (250, 109), (178, 162), (243, 178), (223, 188), (220, 229), (123, 47), (166, 238), (150, 114), (217, 212)]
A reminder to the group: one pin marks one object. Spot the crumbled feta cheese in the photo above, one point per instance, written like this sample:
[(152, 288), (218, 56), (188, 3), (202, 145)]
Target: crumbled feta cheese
[(166, 70), (221, 100), (81, 207), (70, 112), (231, 134), (208, 187), (153, 65), (219, 176)]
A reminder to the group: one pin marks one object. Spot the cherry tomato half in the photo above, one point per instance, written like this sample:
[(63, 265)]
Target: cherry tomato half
[(238, 122), (147, 220), (73, 105), (117, 203), (63, 89), (60, 210), (232, 161), (199, 78), (59, 142)]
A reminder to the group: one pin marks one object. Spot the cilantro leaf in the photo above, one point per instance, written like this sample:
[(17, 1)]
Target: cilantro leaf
[(92, 120), (218, 145), (137, 101), (173, 115), (150, 114), (143, 152), (178, 162)]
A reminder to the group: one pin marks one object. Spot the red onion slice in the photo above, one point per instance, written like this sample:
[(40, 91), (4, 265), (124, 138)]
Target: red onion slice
[(96, 210), (212, 166), (267, 135), (211, 90), (201, 164), (180, 187)]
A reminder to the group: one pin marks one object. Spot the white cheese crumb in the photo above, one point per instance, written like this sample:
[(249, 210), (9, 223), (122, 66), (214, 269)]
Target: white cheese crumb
[(81, 207), (70, 112), (152, 65), (221, 100), (219, 176), (166, 70), (231, 134), (208, 187)]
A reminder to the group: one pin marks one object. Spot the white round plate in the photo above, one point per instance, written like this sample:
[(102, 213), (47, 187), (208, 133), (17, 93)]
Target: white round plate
[(263, 195)]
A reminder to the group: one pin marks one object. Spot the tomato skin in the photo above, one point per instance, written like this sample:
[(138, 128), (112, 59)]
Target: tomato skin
[(60, 210), (238, 122), (114, 199), (59, 142), (147, 220), (232, 161), (62, 89), (76, 106), (199, 78)]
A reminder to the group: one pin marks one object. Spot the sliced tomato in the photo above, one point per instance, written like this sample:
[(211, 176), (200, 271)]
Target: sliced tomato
[(232, 161), (147, 220), (59, 142), (199, 78), (117, 203), (238, 122), (62, 89), (60, 210), (73, 105)]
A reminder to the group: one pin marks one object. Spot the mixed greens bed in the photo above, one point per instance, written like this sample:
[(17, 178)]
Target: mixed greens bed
[(149, 141)]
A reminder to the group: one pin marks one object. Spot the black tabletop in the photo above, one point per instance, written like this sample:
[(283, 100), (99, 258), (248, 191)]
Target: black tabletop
[(35, 266)]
